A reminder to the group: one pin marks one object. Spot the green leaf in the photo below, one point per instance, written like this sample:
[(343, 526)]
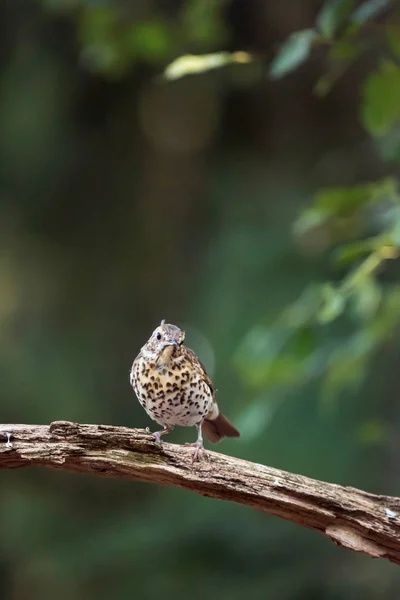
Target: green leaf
[(355, 251), (150, 39), (343, 200), (368, 10), (381, 102), (294, 51), (367, 299), (352, 252), (332, 15), (334, 303)]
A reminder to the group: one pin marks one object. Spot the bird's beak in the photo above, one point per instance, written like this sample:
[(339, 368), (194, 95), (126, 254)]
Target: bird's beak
[(171, 343)]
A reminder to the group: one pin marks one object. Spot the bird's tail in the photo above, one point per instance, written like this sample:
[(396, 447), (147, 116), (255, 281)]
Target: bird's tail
[(218, 428)]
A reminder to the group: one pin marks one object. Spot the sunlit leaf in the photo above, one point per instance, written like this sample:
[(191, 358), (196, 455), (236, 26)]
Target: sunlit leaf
[(381, 102), (190, 64), (293, 52), (332, 15)]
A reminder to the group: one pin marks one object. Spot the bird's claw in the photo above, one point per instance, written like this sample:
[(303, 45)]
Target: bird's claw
[(198, 450), (157, 438)]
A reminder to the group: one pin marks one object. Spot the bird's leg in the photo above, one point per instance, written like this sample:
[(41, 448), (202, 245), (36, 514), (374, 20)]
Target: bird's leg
[(8, 441), (158, 434), (198, 444)]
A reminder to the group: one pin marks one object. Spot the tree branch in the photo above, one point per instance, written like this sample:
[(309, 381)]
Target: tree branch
[(352, 518)]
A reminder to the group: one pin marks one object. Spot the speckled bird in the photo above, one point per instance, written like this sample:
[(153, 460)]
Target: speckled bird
[(173, 387)]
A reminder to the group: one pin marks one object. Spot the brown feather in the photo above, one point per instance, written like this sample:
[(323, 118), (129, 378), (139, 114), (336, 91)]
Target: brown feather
[(198, 365), (215, 430)]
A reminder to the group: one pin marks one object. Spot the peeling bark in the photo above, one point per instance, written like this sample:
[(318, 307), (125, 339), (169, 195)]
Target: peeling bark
[(351, 518)]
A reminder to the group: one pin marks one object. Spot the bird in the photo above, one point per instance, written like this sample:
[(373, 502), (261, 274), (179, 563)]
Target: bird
[(173, 387)]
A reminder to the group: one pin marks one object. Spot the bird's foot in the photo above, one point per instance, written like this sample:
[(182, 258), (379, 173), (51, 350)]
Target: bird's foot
[(157, 434), (157, 437), (199, 450)]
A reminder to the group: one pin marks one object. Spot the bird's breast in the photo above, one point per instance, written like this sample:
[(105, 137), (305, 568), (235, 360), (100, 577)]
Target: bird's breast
[(172, 393)]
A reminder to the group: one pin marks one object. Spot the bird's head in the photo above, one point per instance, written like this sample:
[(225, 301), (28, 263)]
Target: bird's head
[(163, 341)]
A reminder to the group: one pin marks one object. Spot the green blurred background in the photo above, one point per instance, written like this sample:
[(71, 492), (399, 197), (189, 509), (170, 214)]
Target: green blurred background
[(126, 198)]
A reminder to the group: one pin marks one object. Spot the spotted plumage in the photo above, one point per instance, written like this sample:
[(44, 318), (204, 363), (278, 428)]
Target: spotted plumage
[(173, 387)]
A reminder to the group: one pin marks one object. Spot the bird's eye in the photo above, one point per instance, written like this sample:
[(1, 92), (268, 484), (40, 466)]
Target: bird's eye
[(158, 336)]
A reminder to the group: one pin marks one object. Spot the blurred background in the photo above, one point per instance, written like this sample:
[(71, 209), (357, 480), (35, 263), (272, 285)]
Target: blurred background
[(249, 198)]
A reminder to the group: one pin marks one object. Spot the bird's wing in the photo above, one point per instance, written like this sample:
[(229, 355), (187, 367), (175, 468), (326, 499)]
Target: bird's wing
[(200, 368)]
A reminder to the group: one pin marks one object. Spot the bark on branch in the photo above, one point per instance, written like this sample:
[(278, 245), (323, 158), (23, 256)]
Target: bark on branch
[(352, 518)]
